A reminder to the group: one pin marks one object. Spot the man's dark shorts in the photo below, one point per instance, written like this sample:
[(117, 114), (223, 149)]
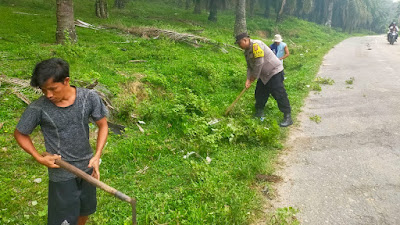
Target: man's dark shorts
[(70, 199)]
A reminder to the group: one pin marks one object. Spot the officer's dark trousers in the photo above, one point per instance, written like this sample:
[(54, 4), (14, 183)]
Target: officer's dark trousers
[(276, 88)]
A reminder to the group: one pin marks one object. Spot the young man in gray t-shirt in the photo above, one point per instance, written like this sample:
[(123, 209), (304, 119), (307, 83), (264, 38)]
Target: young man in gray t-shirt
[(63, 115)]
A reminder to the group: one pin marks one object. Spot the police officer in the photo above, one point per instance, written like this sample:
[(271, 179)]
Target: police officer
[(267, 69)]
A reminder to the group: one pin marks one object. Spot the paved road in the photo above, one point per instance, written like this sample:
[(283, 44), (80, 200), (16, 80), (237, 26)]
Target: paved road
[(346, 169)]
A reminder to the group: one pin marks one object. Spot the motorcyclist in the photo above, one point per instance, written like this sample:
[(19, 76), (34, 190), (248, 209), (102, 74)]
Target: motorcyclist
[(392, 27)]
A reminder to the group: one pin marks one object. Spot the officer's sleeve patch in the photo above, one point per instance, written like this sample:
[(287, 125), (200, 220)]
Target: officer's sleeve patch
[(257, 51)]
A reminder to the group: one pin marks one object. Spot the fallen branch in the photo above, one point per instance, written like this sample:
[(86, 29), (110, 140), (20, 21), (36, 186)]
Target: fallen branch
[(24, 13), (151, 32), (21, 96), (80, 23), (137, 61), (140, 128), (26, 84), (106, 101), (196, 31), (100, 90), (121, 42), (18, 82), (191, 39), (92, 85)]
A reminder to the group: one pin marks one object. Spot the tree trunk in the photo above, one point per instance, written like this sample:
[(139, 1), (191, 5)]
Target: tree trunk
[(267, 8), (318, 13), (252, 3), (206, 5), (223, 4), (240, 22), (328, 22), (197, 7), (101, 8), (279, 15), (299, 8), (180, 3), (120, 4), (213, 10), (65, 22), (188, 4)]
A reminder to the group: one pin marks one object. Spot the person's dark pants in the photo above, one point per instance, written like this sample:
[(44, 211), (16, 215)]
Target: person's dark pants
[(276, 88), (70, 199)]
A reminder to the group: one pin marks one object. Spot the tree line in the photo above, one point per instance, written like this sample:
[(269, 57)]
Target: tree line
[(349, 15)]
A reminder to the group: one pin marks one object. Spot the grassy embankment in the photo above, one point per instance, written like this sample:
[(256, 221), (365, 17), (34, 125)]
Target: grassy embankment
[(177, 92)]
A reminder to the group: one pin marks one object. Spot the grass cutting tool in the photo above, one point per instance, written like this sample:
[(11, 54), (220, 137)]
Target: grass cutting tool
[(234, 102), (100, 185)]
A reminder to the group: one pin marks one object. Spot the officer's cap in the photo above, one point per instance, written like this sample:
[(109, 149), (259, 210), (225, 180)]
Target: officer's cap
[(240, 37)]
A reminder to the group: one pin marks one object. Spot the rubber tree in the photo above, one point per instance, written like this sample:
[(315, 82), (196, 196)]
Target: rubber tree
[(197, 7), (267, 8), (328, 21), (188, 4), (213, 10), (240, 21), (101, 8), (65, 22), (120, 4), (251, 7), (279, 15)]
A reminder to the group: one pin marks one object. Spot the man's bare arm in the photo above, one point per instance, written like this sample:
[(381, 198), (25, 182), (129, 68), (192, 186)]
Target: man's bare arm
[(25, 142), (287, 53), (101, 141)]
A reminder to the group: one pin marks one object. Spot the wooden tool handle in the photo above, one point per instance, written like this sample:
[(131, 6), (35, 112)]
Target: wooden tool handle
[(99, 184), (234, 102)]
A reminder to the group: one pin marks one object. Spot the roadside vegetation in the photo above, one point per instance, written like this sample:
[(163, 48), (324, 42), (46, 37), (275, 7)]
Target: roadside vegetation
[(188, 164)]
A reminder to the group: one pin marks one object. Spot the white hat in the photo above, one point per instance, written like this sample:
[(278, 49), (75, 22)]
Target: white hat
[(277, 38)]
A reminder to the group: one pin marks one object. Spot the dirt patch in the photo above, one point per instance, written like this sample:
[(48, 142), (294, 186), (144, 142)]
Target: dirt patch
[(268, 178), (136, 89), (263, 33), (138, 76)]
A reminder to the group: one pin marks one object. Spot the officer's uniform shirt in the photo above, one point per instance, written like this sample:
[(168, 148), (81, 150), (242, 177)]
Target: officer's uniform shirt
[(262, 63)]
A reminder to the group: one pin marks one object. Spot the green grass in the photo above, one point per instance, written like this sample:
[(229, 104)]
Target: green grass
[(350, 81), (326, 81), (315, 118), (182, 89), (285, 216)]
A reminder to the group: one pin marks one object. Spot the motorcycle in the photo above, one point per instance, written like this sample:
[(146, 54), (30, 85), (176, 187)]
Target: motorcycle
[(392, 36)]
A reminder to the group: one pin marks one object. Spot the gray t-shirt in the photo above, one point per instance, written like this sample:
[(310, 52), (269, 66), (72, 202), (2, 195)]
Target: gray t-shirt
[(65, 129)]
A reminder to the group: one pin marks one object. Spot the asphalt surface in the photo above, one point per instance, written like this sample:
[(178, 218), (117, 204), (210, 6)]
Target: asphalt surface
[(346, 169)]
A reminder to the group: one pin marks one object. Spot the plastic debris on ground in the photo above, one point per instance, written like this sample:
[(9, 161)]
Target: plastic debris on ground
[(37, 180)]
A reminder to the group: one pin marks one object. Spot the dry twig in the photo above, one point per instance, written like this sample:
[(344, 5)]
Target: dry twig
[(18, 82), (191, 39), (140, 128), (80, 23), (137, 61), (21, 96)]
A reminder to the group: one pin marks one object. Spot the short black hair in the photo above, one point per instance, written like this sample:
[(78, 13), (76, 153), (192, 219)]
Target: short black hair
[(55, 68), (241, 36)]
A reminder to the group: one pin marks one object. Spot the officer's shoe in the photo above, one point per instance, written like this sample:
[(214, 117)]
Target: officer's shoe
[(287, 120), (259, 113)]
